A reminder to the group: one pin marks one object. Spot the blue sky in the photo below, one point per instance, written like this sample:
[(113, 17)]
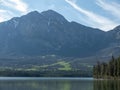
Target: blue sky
[(102, 14)]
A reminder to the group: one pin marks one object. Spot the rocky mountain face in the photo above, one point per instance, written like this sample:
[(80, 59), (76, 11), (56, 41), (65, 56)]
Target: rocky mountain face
[(49, 33), (113, 38)]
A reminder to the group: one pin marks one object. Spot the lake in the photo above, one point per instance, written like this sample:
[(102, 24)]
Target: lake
[(23, 83)]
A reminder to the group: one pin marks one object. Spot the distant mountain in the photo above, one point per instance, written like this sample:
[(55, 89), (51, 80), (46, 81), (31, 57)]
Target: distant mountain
[(49, 33), (113, 38)]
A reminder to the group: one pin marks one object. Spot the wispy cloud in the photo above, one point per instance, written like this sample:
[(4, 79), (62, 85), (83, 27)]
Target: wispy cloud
[(10, 6), (5, 15), (112, 7), (16, 4), (95, 20), (1, 16), (1, 19)]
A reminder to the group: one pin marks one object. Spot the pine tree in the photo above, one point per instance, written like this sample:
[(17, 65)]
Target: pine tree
[(107, 70)]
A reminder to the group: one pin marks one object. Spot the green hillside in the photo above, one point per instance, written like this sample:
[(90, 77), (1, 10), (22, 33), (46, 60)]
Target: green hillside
[(45, 66)]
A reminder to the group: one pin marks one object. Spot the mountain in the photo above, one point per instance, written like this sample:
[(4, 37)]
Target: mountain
[(113, 48), (46, 41), (49, 33)]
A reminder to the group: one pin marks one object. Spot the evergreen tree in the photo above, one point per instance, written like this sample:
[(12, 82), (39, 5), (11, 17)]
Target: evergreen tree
[(107, 70)]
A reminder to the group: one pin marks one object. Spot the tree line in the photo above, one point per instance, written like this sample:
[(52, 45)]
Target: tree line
[(46, 73), (109, 70)]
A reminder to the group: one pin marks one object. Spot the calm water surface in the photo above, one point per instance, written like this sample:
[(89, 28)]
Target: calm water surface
[(7, 83)]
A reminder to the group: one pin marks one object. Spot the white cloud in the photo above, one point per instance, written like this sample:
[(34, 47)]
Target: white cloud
[(95, 20), (16, 4), (5, 15), (1, 19), (2, 11), (112, 7), (1, 16)]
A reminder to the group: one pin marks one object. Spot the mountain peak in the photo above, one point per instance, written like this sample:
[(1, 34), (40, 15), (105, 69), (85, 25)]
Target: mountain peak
[(44, 12), (50, 12), (33, 13), (53, 15)]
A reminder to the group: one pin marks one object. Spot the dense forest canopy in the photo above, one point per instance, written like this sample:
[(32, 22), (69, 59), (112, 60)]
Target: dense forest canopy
[(110, 70)]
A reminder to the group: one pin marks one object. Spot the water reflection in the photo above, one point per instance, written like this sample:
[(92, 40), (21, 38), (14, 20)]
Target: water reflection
[(46, 85), (58, 84), (107, 85)]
